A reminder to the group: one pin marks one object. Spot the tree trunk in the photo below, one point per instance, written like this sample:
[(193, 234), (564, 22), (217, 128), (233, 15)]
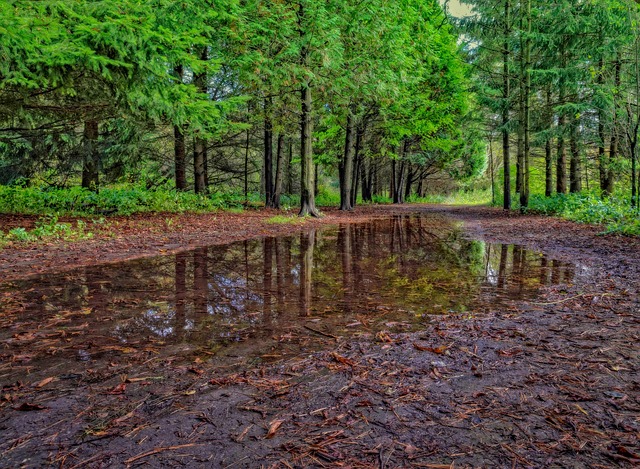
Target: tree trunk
[(398, 193), (506, 107), (520, 146), (364, 181), (609, 176), (392, 183), (561, 160), (355, 179), (180, 153), (200, 146), (345, 166), (575, 170), (198, 166), (246, 170), (268, 154), (180, 158), (524, 194), (289, 168), (280, 166), (91, 159), (307, 179), (409, 182), (358, 166), (602, 154)]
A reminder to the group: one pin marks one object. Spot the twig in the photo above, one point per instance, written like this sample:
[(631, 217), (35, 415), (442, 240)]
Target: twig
[(572, 298), (156, 451), (320, 332)]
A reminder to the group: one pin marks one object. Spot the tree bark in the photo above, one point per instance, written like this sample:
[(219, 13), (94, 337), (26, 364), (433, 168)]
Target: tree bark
[(268, 154), (575, 170), (180, 153), (524, 194), (609, 175), (345, 166), (307, 173), (506, 85), (198, 166), (409, 181), (561, 160), (280, 167), (398, 193), (180, 158), (91, 159), (200, 145)]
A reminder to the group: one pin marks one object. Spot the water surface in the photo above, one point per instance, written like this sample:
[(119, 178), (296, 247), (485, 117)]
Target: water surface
[(262, 299)]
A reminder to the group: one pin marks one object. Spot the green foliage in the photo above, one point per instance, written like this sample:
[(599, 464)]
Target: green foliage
[(48, 228), (286, 220), (614, 213), (122, 200), (460, 197)]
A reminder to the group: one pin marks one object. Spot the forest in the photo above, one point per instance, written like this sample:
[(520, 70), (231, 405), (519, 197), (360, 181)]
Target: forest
[(319, 233), (250, 103)]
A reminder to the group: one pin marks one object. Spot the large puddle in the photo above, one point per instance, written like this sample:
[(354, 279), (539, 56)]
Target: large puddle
[(262, 299)]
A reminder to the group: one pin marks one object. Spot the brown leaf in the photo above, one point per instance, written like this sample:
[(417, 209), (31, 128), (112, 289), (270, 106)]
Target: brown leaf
[(509, 353), (273, 428), (364, 403), (44, 382), (119, 389), (26, 407), (384, 337), (342, 359), (627, 452), (439, 350)]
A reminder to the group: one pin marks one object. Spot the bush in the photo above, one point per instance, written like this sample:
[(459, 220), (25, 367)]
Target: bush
[(122, 200), (615, 213)]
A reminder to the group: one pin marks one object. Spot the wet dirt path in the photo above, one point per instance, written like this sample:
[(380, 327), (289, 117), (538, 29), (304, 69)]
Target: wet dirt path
[(544, 382)]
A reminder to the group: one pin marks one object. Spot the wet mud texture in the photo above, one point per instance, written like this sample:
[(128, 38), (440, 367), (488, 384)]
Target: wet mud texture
[(550, 381)]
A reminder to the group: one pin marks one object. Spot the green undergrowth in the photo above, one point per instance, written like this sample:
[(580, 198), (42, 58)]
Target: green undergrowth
[(122, 200), (49, 229), (286, 220), (461, 197), (614, 213)]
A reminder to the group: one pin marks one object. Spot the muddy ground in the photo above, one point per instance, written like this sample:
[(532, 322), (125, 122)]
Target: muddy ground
[(548, 383)]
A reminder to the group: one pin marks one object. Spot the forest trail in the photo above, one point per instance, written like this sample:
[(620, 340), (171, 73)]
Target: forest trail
[(544, 382)]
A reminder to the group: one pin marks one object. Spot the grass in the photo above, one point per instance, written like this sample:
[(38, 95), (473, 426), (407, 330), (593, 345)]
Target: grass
[(286, 220), (461, 197)]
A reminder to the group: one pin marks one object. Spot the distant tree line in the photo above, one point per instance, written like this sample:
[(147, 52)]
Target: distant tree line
[(210, 95), (560, 81)]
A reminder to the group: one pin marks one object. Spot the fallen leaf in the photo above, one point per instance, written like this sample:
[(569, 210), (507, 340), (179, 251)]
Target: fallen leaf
[(273, 428), (26, 407), (627, 453), (384, 337), (119, 389), (342, 359), (509, 353), (44, 382), (438, 350)]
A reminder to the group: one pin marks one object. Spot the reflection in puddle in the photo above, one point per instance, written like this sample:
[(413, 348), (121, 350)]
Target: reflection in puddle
[(253, 298)]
